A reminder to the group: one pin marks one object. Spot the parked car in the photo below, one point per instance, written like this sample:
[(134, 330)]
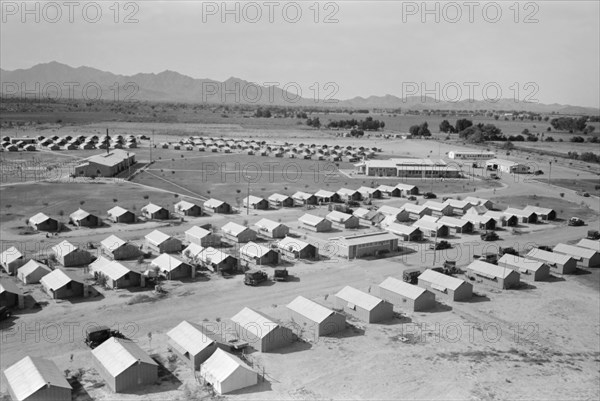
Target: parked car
[(429, 195), (538, 172), (440, 245), (489, 236), (4, 313), (411, 276), (412, 198), (575, 222), (255, 277), (593, 234)]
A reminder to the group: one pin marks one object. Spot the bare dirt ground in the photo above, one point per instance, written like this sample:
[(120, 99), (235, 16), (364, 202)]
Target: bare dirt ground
[(537, 342)]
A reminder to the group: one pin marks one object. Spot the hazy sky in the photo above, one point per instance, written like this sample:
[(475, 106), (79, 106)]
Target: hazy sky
[(374, 48)]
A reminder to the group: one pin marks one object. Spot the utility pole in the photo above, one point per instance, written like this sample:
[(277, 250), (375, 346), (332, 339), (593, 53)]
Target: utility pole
[(151, 145), (107, 141), (550, 172), (248, 197), (435, 246)]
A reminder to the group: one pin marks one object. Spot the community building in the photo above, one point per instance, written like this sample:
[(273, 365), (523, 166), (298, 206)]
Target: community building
[(119, 249), (11, 259), (585, 257), (558, 262), (185, 208), (123, 365), (507, 166), (120, 215), (470, 155), (272, 229), (227, 373), (41, 222), (32, 272), (255, 254), (364, 307), (160, 242), (261, 332), (191, 345), (368, 244), (106, 164), (216, 206), (292, 248), (446, 287), (314, 223), (81, 218), (405, 296), (529, 269), (201, 236), (36, 379), (315, 320), (493, 275), (237, 233), (408, 168), (70, 255), (155, 212), (60, 284)]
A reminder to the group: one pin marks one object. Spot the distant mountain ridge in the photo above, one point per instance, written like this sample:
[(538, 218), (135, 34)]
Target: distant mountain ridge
[(171, 86)]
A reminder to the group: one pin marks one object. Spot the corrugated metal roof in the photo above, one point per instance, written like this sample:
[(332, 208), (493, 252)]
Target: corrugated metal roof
[(31, 374), (213, 203), (346, 191), (57, 279), (518, 212), (590, 244), (367, 190), (321, 193), (538, 210), (310, 309), (437, 206), (234, 229), (400, 287), (117, 355), (10, 255), (405, 187), (184, 205), (64, 248), (368, 238), (38, 218), (111, 243), (427, 224), (359, 298), (31, 267), (549, 257), (412, 208), (401, 229), (157, 237), (278, 197), (221, 365), (575, 251), (253, 200), (310, 219), (189, 337), (441, 280), (114, 157), (386, 188), (166, 262), (254, 250), (488, 269), (453, 221), (255, 322)]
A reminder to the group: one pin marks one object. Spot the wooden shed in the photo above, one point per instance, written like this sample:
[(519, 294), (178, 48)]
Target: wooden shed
[(405, 296), (446, 287), (70, 255), (32, 272), (36, 379), (190, 343), (315, 320), (261, 332), (363, 306)]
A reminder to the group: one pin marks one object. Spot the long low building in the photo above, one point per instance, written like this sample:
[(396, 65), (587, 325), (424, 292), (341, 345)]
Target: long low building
[(261, 332), (406, 233), (343, 220), (408, 168), (363, 306), (445, 287), (314, 319), (559, 263), (585, 257), (106, 164), (36, 379), (529, 269), (507, 166), (293, 248), (493, 275), (590, 244), (406, 296), (190, 343), (314, 223), (368, 244)]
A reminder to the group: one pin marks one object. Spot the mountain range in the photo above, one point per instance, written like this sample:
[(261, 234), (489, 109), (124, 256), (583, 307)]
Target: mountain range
[(54, 79)]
